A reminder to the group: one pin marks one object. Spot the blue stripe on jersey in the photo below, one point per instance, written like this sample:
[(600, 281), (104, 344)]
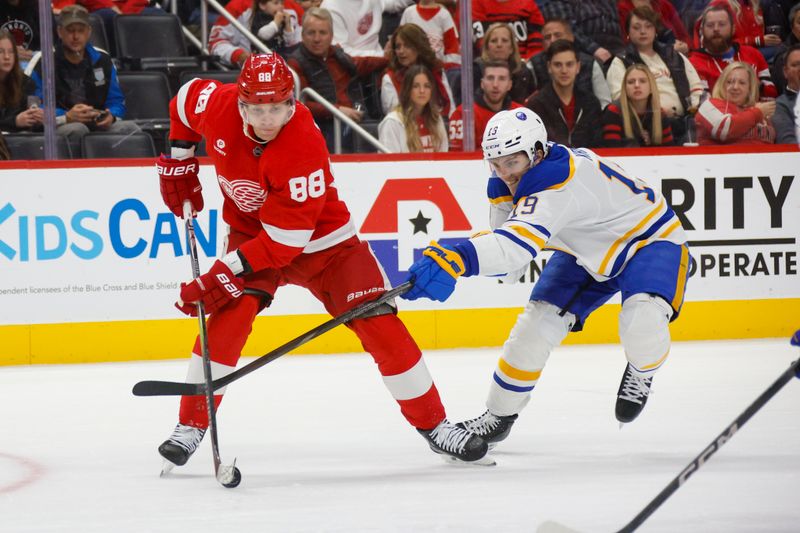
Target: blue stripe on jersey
[(552, 171), (496, 188), (654, 227), (508, 386), (537, 227), (516, 240)]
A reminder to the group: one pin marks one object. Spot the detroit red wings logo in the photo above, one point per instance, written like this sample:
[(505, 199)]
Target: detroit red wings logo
[(247, 195), (365, 23)]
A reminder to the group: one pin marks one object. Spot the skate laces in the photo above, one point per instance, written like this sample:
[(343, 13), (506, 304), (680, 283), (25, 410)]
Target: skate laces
[(187, 437), (449, 437), (483, 424), (634, 387)]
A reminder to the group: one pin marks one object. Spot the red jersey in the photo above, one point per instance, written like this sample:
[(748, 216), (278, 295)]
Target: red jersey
[(481, 116), (280, 193), (523, 16), (709, 67), (720, 121)]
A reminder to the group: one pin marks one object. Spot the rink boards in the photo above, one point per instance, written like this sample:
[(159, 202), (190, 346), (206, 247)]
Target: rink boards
[(91, 259)]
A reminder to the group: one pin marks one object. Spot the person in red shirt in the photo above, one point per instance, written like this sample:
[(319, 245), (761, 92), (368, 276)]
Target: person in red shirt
[(522, 15), (719, 49), (287, 226), (733, 114), (493, 97)]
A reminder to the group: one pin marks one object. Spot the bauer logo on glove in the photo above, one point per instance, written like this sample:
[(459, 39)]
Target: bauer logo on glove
[(215, 289)]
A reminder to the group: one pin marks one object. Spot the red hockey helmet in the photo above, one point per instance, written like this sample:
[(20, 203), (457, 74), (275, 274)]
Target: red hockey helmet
[(265, 79)]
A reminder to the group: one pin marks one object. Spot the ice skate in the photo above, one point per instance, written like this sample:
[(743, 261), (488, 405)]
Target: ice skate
[(177, 449), (457, 444), (490, 427), (632, 395)]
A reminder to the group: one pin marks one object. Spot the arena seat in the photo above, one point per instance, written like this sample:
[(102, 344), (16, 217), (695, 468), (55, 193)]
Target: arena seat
[(117, 145)]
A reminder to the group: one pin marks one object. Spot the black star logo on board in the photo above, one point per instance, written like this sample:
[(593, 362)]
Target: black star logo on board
[(420, 223)]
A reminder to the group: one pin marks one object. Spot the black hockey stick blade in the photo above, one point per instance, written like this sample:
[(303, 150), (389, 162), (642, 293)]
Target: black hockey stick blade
[(174, 388), (697, 462)]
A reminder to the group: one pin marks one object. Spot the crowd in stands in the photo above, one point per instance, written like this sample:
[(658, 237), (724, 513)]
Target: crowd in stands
[(600, 73)]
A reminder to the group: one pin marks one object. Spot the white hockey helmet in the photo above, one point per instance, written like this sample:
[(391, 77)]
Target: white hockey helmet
[(512, 131)]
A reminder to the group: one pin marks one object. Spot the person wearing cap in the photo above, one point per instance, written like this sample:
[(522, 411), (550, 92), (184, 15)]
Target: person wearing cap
[(88, 95)]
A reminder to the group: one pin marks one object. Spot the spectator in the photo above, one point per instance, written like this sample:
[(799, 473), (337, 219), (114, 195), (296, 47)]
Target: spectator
[(673, 32), (492, 97), (784, 119), (20, 18), (679, 86), (499, 45), (308, 4), (19, 107), (357, 23), (437, 23), (636, 118), (733, 114), (591, 78), (718, 49), (571, 116), (416, 124), (792, 39), (88, 97), (108, 10), (595, 24), (409, 46), (748, 25), (522, 15), (330, 71), (269, 20)]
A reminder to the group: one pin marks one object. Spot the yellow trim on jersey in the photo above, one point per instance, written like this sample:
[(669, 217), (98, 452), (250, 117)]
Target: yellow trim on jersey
[(569, 177), (672, 227), (677, 300), (627, 236), (501, 199), (528, 235), (515, 373), (656, 364)]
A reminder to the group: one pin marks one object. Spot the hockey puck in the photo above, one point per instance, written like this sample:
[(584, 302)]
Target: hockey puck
[(235, 479)]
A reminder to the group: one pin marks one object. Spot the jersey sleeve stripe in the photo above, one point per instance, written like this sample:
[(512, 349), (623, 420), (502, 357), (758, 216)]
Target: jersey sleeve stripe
[(646, 237), (541, 229), (501, 199), (181, 102), (528, 235), (626, 236), (298, 238), (516, 240)]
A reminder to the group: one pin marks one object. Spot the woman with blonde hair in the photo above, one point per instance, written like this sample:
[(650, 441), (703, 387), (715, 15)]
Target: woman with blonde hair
[(499, 44), (416, 124), (636, 119), (733, 114)]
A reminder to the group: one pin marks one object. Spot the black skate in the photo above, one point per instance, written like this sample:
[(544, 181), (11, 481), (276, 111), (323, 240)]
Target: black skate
[(490, 427), (632, 395), (180, 446), (457, 444)]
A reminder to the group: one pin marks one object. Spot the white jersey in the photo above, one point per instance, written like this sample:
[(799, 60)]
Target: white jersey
[(577, 202), (357, 23)]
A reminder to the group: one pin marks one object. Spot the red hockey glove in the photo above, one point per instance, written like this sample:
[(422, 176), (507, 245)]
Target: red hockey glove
[(179, 183), (215, 288)]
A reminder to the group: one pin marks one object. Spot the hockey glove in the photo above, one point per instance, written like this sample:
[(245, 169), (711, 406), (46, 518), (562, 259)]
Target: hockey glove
[(215, 289), (435, 274), (179, 183)]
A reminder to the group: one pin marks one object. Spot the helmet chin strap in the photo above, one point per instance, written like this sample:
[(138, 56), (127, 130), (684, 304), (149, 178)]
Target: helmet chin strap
[(246, 126)]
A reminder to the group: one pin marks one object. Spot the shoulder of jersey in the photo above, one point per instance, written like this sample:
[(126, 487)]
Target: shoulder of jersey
[(301, 132), (497, 191), (551, 174)]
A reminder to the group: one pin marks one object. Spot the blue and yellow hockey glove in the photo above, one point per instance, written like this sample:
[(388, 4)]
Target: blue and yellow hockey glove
[(435, 274)]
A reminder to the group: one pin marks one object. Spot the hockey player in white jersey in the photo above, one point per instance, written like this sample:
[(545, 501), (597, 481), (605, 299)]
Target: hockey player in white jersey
[(610, 232)]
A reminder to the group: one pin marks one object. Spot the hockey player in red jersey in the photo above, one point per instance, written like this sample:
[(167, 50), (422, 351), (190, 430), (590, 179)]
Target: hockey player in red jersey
[(287, 226)]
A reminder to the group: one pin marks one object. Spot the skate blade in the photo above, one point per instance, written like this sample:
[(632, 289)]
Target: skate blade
[(483, 461), (166, 468)]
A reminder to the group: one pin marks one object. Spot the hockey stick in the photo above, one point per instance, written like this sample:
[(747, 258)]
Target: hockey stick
[(697, 462), (228, 475), (172, 388)]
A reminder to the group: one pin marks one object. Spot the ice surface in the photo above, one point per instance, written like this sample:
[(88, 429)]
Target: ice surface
[(323, 448)]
